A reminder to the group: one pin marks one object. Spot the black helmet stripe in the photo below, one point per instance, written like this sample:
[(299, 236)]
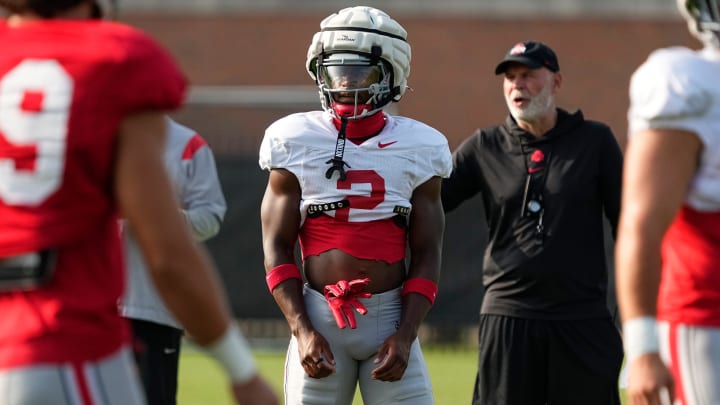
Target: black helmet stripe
[(387, 34)]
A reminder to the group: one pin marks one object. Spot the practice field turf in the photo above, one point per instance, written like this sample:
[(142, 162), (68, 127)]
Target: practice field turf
[(201, 382)]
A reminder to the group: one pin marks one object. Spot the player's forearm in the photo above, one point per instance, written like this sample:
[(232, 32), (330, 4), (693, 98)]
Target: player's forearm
[(638, 279), (419, 290), (284, 280), (420, 287), (289, 299), (637, 275), (414, 309)]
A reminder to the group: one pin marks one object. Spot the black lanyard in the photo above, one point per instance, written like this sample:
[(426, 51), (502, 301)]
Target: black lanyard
[(337, 161), (537, 164)]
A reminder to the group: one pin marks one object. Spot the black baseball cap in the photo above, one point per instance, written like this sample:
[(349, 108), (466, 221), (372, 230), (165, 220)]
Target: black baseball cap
[(531, 54)]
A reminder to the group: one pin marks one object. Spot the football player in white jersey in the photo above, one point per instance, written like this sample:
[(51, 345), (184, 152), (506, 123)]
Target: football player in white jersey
[(357, 188), (668, 249)]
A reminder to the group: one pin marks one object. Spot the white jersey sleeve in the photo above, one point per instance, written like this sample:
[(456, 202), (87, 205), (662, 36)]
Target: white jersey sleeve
[(383, 171), (191, 165), (677, 88)]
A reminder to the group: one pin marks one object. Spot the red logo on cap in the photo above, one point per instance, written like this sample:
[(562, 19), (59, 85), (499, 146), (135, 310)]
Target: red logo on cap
[(518, 49)]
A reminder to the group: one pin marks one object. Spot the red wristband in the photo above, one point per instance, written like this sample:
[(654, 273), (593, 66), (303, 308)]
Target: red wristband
[(280, 273), (423, 286)]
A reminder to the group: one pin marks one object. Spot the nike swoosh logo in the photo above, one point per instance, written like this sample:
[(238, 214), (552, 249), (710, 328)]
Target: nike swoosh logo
[(385, 145), (534, 169), (169, 350)]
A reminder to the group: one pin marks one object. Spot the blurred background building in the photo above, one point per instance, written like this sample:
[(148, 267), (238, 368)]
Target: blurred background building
[(245, 60)]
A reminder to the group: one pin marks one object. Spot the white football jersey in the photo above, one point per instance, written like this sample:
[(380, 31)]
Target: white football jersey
[(678, 88), (383, 171)]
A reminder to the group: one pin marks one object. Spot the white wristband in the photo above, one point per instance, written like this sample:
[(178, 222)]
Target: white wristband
[(232, 351), (640, 337)]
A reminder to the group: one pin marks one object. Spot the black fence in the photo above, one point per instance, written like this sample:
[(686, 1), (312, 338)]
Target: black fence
[(237, 251)]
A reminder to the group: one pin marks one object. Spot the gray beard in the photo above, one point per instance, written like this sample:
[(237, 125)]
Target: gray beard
[(538, 107)]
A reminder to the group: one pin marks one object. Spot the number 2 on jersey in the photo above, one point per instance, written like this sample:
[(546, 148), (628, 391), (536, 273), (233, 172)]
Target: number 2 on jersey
[(377, 191), (35, 99)]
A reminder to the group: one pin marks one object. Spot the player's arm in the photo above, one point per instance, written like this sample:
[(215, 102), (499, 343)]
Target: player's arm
[(427, 224), (181, 271), (203, 201), (280, 217), (659, 166)]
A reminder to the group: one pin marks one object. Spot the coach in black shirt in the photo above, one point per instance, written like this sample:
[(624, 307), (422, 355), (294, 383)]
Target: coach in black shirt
[(546, 176)]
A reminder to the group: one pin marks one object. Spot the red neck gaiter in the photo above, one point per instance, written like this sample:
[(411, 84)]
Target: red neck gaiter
[(361, 129)]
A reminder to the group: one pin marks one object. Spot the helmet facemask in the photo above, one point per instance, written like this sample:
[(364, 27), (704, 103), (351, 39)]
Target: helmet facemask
[(703, 19), (363, 36), (353, 85)]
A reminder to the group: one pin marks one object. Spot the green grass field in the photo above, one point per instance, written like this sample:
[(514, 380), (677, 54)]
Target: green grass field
[(201, 381)]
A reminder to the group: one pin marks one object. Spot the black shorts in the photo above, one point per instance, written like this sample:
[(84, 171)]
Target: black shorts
[(558, 362), (157, 354)]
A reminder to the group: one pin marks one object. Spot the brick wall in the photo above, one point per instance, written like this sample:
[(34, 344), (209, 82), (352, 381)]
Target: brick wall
[(454, 88)]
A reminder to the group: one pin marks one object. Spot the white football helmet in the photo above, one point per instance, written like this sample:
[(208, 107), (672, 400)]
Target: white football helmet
[(703, 19), (360, 61)]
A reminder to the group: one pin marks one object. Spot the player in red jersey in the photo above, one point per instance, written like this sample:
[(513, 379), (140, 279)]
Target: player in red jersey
[(668, 248), (82, 127)]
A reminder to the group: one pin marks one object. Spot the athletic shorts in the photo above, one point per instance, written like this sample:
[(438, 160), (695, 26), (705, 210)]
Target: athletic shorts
[(354, 351), (109, 381), (157, 354), (558, 362), (693, 355)]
